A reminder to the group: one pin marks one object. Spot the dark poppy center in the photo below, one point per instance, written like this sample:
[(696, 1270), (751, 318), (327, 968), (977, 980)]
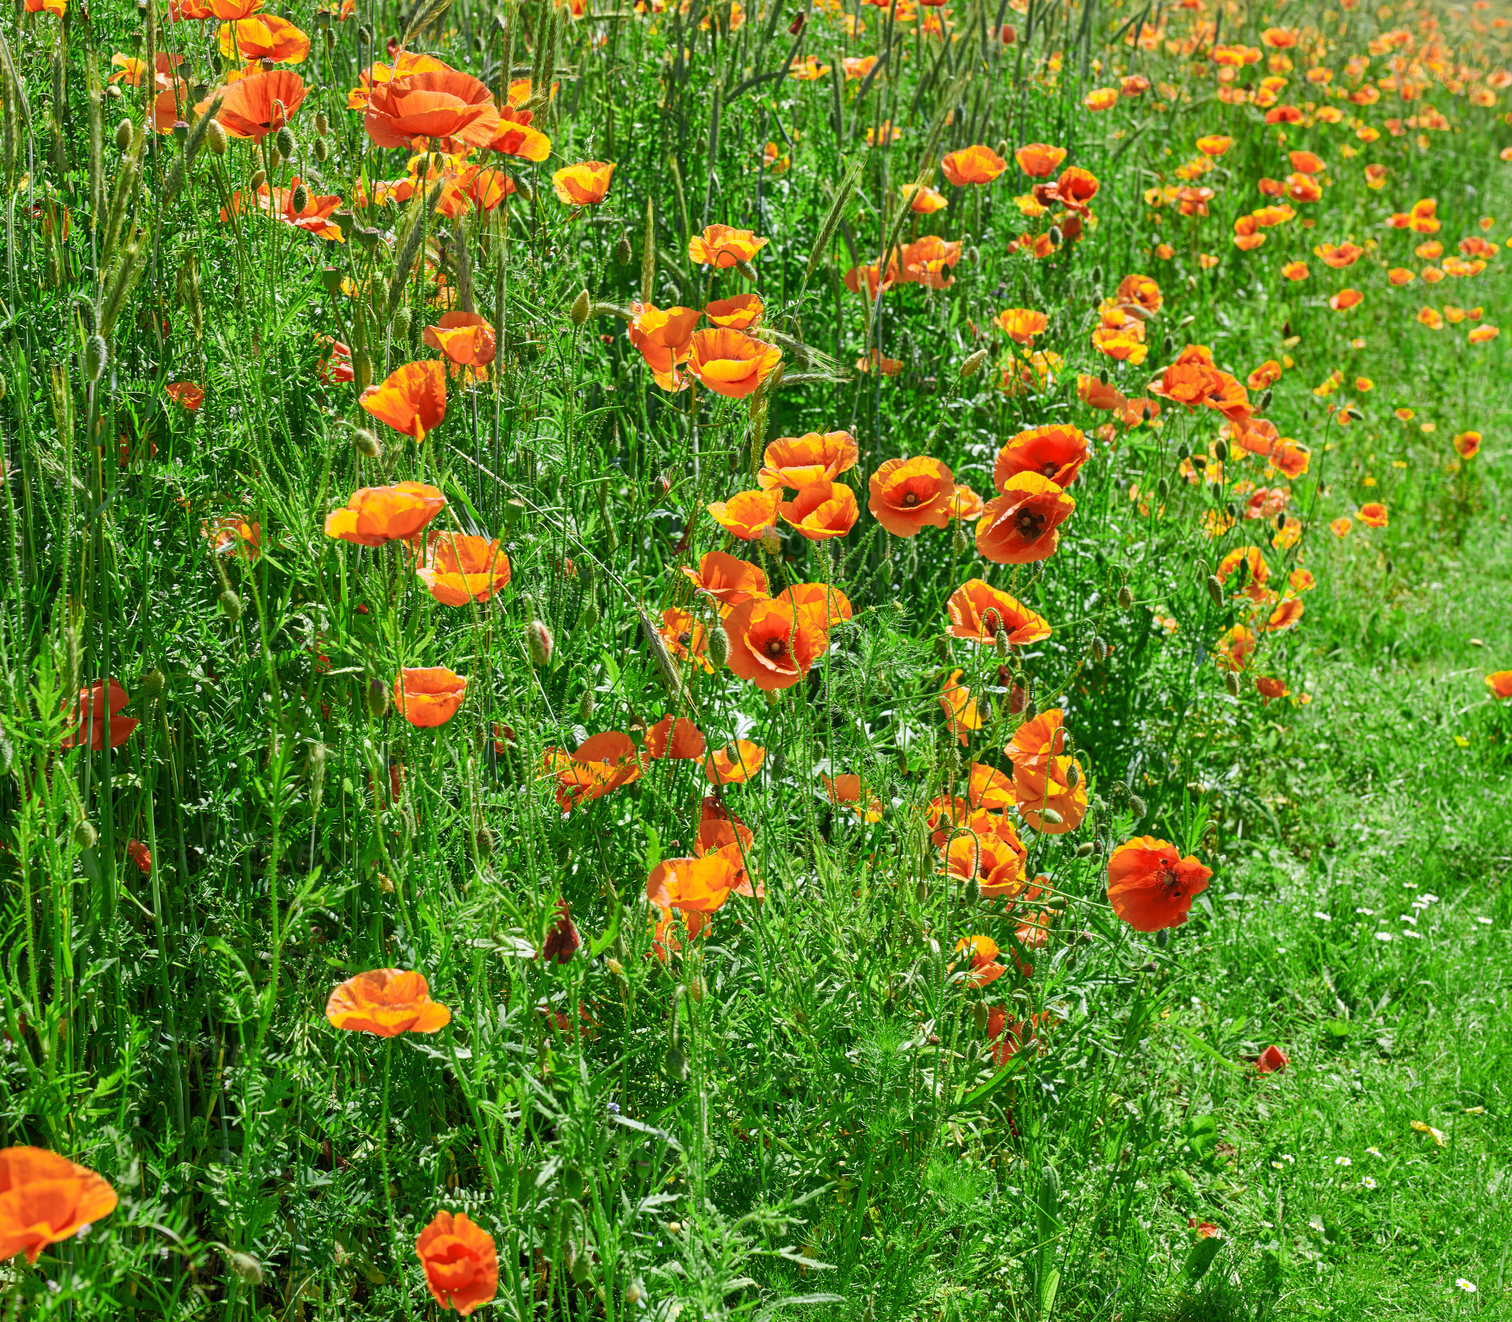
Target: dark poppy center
[(1029, 524), (684, 638), (1049, 467), (774, 647), (1169, 880), (910, 499)]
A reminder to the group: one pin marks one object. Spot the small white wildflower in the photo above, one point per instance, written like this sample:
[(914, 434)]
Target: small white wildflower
[(1485, 922), (1415, 935), (1322, 917), (1375, 1152), (1369, 913), (1287, 1157), (85, 1229), (1343, 1161), (1428, 897), (1385, 936), (1409, 885), (1368, 1183), (1467, 1286)]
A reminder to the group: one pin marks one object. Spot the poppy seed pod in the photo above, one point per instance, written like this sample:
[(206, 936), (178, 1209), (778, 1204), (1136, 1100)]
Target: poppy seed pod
[(231, 605), (284, 141), (540, 642), (123, 135), (377, 698), (973, 364), (580, 306), (96, 358), (367, 444), (84, 834)]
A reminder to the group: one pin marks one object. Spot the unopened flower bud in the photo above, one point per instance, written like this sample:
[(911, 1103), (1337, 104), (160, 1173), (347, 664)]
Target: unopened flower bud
[(231, 605), (301, 199), (367, 444), (215, 138), (1084, 850), (622, 250), (322, 150), (1215, 589), (1099, 650), (377, 698), (771, 542), (258, 179), (635, 1293), (590, 615), (1051, 816), (322, 124), (1264, 401), (124, 135), (1125, 598), (747, 270), (540, 642), (1073, 776), (1231, 683), (579, 310), (247, 1268), (1220, 450), (586, 705), (400, 325), (718, 649), (1138, 806), (484, 839), (1000, 641), (284, 141), (973, 364), (152, 684), (84, 834), (1056, 237)]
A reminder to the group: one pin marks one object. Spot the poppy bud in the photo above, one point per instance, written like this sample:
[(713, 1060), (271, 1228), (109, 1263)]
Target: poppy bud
[(315, 770), (400, 325), (771, 542), (1221, 450), (1280, 522), (483, 838), (301, 198), (231, 604), (258, 179), (1056, 237), (973, 364), (1125, 598), (247, 1268), (580, 306), (285, 142), (1084, 849), (973, 891), (622, 252), (1051, 816), (152, 684), (972, 255), (747, 270), (1162, 488), (96, 356), (979, 1016), (590, 615), (1000, 641), (540, 642), (1073, 776), (1231, 683), (322, 150), (367, 444), (586, 704), (717, 648), (322, 124), (1215, 589), (377, 698), (636, 1291), (84, 834), (1099, 650), (123, 135), (1183, 451), (676, 1065), (1264, 401), (215, 138)]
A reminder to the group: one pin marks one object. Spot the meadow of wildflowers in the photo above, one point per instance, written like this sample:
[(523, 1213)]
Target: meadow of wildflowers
[(821, 660)]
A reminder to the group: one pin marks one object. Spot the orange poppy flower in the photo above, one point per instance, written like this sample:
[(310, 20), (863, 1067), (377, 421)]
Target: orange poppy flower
[(982, 967), (386, 1002), (1345, 254), (738, 313), (677, 738), (1038, 160), (45, 1198), (663, 335), (460, 1261), (799, 461), (923, 200), (1047, 799), (960, 708), (375, 515), (185, 394), (412, 400), (100, 702), (464, 337), (822, 510), (1235, 649), (735, 763), (973, 165), (1214, 144), (600, 764), (1295, 271), (1100, 99), (692, 885), (1150, 885), (721, 246), (1467, 444), (978, 611), (1374, 515), (1056, 452), (314, 218), (1022, 324), (1098, 394), (773, 643), (1250, 560), (747, 514), (428, 696), (1020, 525), (406, 63), (929, 260), (444, 106), (986, 847), (1346, 299), (1284, 617), (730, 362), (456, 568), (1500, 684), (231, 534), (726, 580), (258, 104), (1305, 162), (965, 504), (1290, 458), (845, 792), (1340, 527), (584, 184), (908, 495), (515, 137), (685, 638), (1076, 188), (264, 37)]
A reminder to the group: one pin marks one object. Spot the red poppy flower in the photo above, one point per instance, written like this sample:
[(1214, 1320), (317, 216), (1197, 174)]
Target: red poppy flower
[(676, 738), (258, 104), (1150, 885), (599, 765), (1020, 525), (386, 1002), (909, 495), (774, 642), (412, 400), (460, 1261), (101, 702), (375, 515), (457, 568), (1056, 452), (45, 1198), (445, 106), (724, 579), (797, 461), (723, 246), (428, 696), (978, 611), (730, 362), (822, 510)]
